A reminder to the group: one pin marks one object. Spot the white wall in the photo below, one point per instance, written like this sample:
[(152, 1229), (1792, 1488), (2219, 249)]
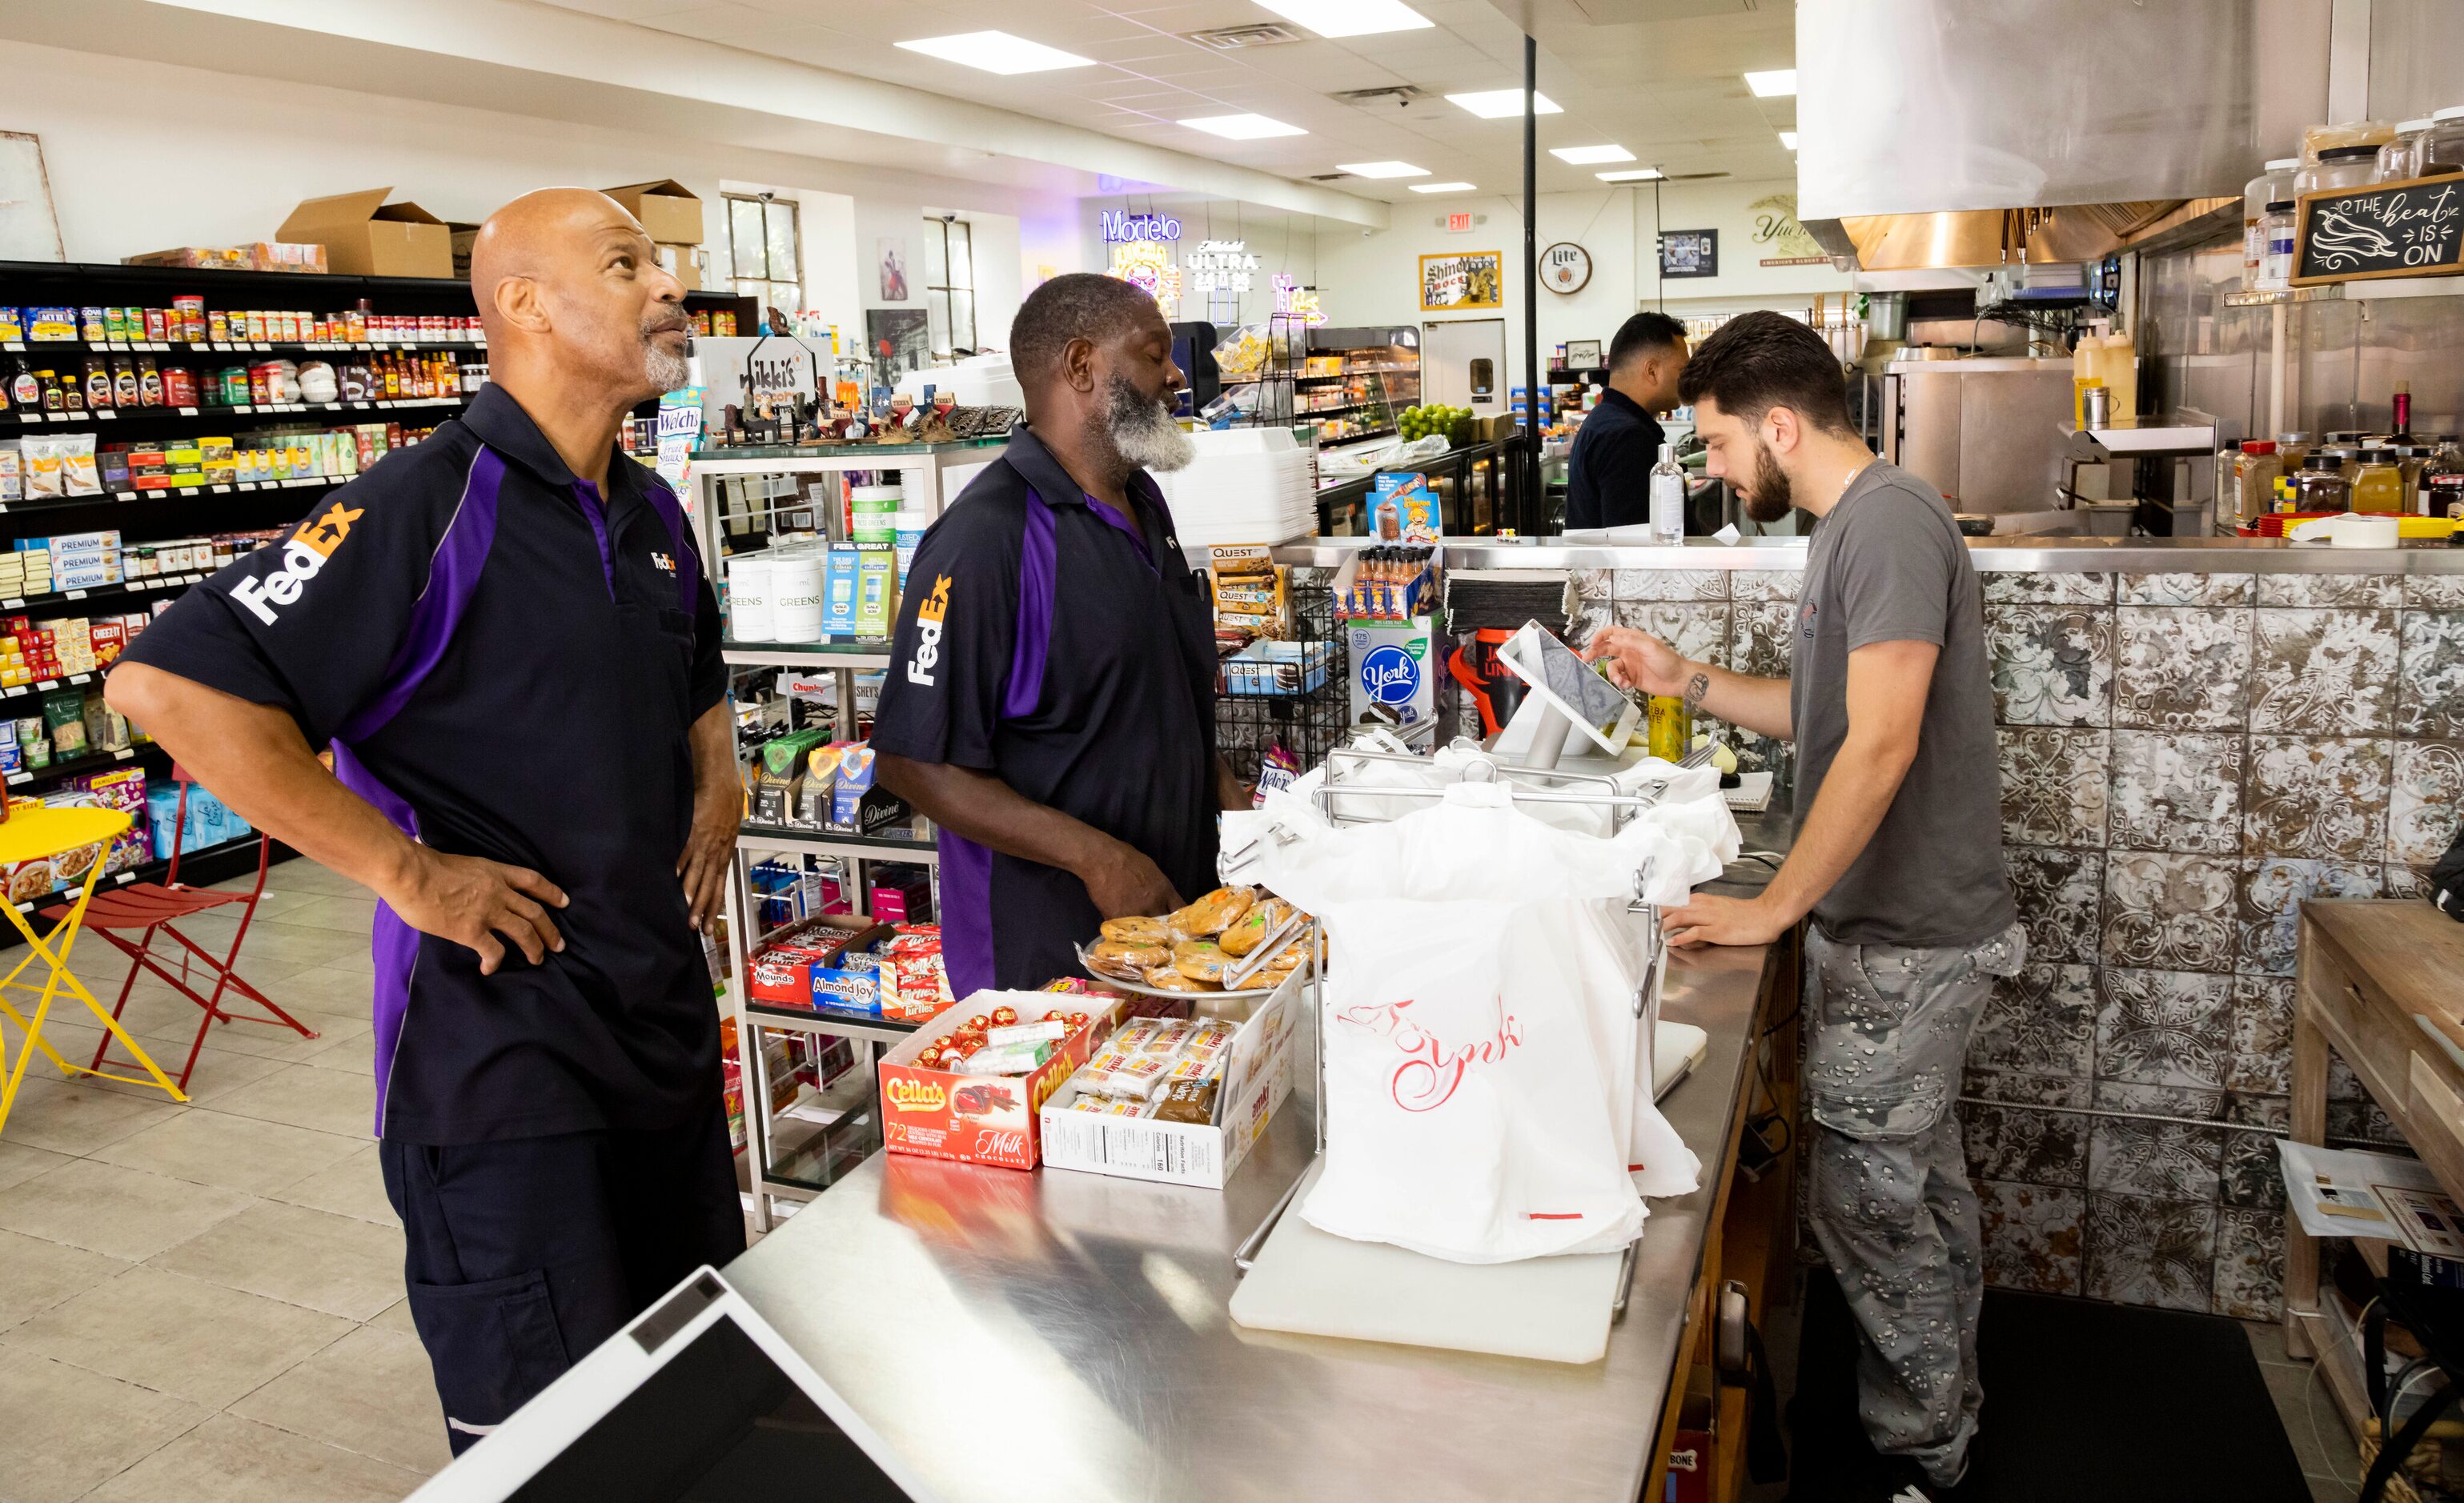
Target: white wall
[(1374, 279)]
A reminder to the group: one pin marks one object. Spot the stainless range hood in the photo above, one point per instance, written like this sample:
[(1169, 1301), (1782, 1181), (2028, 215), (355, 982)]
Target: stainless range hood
[(1955, 132)]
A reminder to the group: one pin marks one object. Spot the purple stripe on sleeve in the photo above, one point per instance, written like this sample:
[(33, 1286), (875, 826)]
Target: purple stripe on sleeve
[(392, 944), (1038, 565), (966, 914), (453, 575), (585, 495)]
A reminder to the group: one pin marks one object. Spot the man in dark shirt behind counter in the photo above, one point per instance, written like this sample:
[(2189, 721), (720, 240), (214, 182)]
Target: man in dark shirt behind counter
[(1050, 701), (506, 638), (1608, 476)]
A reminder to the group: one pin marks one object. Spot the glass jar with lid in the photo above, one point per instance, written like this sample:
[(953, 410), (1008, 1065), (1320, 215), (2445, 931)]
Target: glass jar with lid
[(2401, 157), (2340, 168), (2442, 150), (2322, 486), (2442, 480), (2275, 263), (2292, 449), (2378, 488), (2319, 140), (2274, 186)]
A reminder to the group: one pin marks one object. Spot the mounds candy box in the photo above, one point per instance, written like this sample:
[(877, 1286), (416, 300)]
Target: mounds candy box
[(980, 1119), (1257, 1077), (806, 966)]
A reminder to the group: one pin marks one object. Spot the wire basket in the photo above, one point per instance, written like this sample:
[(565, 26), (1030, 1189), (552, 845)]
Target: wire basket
[(1306, 726)]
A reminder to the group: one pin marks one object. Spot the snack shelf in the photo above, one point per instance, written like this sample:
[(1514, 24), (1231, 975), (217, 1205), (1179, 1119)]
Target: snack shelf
[(154, 493), (90, 762), (151, 584), (831, 1022), (229, 346), (112, 417), (822, 843)]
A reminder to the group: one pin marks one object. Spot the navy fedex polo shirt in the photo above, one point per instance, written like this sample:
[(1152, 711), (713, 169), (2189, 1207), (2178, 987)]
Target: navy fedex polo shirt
[(506, 665), (1050, 640)]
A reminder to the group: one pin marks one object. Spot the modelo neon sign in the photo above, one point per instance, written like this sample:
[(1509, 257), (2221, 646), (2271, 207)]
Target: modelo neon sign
[(1119, 229)]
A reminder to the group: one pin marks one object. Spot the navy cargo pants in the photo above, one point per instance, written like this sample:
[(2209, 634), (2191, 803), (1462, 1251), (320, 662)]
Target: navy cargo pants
[(522, 1255)]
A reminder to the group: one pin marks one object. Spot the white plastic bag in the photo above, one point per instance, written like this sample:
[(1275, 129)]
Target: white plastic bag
[(1480, 1037)]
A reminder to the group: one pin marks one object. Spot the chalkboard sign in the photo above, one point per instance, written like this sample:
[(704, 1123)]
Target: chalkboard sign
[(2415, 228)]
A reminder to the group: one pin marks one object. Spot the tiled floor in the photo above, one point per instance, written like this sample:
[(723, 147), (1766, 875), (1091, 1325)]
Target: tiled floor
[(204, 1301), (2329, 1460)]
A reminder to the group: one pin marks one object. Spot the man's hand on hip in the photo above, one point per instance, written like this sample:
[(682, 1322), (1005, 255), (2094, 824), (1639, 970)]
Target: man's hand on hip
[(471, 901), (709, 850), (1707, 920), (1640, 660)]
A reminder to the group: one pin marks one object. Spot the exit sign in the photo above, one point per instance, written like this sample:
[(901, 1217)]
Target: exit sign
[(1459, 223)]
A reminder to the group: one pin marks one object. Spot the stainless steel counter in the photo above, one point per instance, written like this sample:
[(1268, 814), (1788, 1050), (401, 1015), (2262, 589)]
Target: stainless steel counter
[(2016, 555), (1063, 1336)]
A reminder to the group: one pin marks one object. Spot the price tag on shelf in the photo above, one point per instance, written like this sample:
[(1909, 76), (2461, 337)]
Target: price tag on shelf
[(124, 753), (44, 686), (248, 485), (260, 344), (106, 412), (13, 345), (81, 678), (188, 412), (17, 778), (124, 877), (73, 594), (187, 491), (15, 604), (243, 409), (219, 489), (221, 345)]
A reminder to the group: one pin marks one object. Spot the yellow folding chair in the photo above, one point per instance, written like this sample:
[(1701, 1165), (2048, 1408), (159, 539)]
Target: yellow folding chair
[(32, 835)]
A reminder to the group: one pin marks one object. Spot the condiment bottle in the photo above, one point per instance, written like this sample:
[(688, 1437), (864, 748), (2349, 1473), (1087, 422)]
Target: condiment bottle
[(2378, 486), (2322, 487), (2254, 475), (2403, 408), (2412, 459)]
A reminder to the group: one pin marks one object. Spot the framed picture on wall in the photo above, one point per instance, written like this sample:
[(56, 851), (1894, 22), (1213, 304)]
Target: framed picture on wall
[(1582, 355), (1461, 280), (1689, 253), (899, 339), (893, 251)]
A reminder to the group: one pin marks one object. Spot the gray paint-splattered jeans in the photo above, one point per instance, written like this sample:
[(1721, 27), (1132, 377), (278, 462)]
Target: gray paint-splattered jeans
[(1889, 1198)]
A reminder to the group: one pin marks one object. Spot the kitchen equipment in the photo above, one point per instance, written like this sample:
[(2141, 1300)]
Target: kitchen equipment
[(1986, 433)]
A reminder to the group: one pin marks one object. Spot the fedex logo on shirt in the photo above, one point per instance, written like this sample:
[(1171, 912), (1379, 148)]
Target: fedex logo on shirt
[(929, 616), (302, 556)]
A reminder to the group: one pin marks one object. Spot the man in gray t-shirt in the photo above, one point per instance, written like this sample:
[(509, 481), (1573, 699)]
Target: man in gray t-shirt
[(1897, 860)]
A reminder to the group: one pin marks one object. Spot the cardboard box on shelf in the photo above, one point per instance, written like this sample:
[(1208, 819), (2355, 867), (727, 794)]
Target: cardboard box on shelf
[(366, 236), (1257, 1076), (464, 236), (667, 208), (679, 262), (982, 1119)]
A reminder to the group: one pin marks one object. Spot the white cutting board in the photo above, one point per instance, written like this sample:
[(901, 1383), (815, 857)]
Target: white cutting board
[(1554, 1308)]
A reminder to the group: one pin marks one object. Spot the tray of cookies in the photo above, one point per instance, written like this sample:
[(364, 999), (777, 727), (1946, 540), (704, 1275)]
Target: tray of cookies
[(1233, 941)]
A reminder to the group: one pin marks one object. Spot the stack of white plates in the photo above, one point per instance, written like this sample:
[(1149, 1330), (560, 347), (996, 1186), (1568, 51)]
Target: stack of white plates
[(1248, 486)]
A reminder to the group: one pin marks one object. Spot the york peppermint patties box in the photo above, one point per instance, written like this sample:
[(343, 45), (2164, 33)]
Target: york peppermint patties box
[(1394, 672)]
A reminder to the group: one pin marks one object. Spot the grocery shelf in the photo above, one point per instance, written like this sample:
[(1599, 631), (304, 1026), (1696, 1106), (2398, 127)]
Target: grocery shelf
[(753, 459), (822, 842), (156, 869), (151, 584), (831, 1021), (855, 655), (113, 417), (167, 493), (231, 346), (90, 762)]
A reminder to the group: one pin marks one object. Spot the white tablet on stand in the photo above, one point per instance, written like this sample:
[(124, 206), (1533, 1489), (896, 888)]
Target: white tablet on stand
[(698, 1398), (1566, 696)]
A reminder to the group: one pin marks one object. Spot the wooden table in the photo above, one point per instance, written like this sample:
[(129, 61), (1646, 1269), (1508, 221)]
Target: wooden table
[(2368, 971)]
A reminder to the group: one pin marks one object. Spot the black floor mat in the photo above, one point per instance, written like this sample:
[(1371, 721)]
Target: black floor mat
[(2083, 1400)]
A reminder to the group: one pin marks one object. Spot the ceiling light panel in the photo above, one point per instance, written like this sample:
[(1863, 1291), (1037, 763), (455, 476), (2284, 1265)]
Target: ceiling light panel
[(1590, 156), (1350, 17), (1381, 170), (1634, 175), (1773, 83), (997, 51), (1497, 104), (1242, 127), (1444, 188)]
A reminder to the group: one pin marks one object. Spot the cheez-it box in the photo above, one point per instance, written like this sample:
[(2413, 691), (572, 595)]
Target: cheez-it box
[(982, 1119)]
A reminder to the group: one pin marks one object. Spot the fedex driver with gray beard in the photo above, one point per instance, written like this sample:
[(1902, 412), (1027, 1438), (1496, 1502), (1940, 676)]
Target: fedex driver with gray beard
[(506, 640), (1050, 700)]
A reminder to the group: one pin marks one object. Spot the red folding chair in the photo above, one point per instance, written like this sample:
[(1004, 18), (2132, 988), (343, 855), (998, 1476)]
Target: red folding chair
[(147, 910)]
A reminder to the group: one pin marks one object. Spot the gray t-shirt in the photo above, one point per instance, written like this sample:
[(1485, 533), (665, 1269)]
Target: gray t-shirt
[(1888, 565)]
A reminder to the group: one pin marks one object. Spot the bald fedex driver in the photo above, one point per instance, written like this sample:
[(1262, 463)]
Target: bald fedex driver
[(505, 638), (1050, 700)]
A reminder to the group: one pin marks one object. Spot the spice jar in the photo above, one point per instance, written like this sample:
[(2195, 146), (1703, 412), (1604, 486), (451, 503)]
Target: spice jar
[(2379, 487), (2339, 167), (2442, 150), (2323, 485)]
